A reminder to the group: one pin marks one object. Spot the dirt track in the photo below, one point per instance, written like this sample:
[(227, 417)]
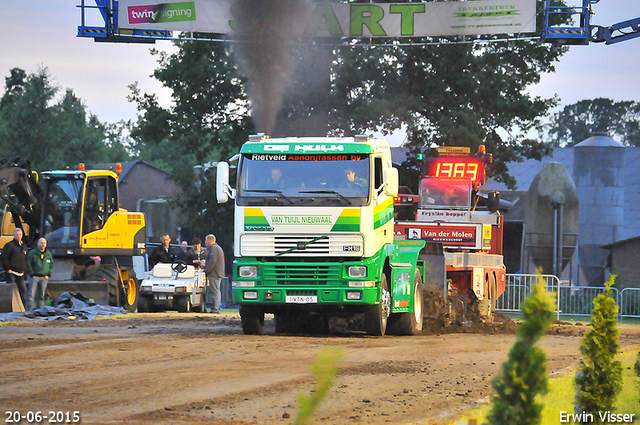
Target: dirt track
[(186, 369)]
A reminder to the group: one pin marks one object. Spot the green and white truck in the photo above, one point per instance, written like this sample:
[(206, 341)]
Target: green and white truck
[(314, 236)]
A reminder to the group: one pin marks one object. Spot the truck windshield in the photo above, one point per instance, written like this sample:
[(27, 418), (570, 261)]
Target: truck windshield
[(61, 212), (445, 193), (303, 179)]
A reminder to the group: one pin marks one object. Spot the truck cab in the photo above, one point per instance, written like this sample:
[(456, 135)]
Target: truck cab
[(314, 232)]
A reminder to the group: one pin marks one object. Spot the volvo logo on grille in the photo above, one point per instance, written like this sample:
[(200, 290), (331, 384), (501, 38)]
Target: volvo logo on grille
[(302, 246)]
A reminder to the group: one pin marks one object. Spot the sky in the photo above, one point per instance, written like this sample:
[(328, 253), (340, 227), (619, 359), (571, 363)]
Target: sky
[(42, 33)]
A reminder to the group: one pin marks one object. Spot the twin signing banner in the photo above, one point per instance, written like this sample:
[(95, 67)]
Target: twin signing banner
[(338, 19)]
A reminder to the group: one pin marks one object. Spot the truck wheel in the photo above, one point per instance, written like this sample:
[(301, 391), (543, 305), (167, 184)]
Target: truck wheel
[(183, 304), (144, 304), (410, 323), (252, 318), (376, 317)]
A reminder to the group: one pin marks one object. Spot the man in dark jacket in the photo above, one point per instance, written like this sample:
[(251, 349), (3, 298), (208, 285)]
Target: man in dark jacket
[(40, 268), (14, 261), (214, 269), (164, 253), (196, 256)]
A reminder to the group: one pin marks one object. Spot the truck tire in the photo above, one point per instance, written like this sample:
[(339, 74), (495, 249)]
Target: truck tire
[(376, 317), (409, 323), (489, 302), (144, 304), (183, 304), (252, 318)]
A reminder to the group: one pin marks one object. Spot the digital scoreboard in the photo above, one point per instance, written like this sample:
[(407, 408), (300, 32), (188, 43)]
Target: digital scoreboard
[(457, 168)]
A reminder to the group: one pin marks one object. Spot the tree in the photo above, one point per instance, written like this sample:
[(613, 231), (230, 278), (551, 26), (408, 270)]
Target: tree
[(208, 121), (578, 121), (524, 373), (51, 133), (599, 378)]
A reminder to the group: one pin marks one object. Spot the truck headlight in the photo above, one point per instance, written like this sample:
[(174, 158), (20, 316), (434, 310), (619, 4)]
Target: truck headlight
[(180, 289), (248, 271), (145, 288), (357, 271)]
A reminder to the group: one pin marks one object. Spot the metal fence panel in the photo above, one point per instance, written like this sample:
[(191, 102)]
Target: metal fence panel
[(518, 287), (630, 302), (570, 300), (578, 300)]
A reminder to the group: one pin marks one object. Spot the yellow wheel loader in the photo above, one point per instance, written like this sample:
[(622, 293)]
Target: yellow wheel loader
[(92, 240)]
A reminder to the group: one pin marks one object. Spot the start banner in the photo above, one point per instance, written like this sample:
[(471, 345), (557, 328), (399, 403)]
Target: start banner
[(334, 19)]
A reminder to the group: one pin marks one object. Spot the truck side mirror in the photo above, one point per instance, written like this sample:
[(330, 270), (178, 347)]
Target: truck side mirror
[(391, 181), (222, 183)]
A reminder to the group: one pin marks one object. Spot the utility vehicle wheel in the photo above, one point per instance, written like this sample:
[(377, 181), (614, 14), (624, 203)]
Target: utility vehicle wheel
[(409, 323), (144, 304), (375, 319), (183, 304), (252, 318)]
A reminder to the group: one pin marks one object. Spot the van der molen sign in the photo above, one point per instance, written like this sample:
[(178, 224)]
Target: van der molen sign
[(342, 19)]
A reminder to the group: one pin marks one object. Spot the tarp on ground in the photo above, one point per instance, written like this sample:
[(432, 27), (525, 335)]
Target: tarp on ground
[(68, 306)]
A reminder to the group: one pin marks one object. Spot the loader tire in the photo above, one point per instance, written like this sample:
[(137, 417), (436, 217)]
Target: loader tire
[(110, 273)]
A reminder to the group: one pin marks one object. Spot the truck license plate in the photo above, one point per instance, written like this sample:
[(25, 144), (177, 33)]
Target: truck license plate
[(302, 299)]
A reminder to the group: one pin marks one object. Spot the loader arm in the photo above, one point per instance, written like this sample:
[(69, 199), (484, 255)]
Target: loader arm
[(19, 188)]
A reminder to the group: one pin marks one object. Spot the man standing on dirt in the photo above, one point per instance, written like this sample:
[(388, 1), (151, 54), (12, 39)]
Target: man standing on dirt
[(214, 269), (40, 268), (14, 261)]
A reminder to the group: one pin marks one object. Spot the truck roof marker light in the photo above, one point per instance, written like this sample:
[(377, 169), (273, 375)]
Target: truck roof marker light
[(482, 150), (361, 138), (81, 167), (118, 168), (260, 137)]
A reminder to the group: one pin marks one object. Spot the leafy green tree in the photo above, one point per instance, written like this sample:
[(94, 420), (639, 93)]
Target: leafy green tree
[(208, 121), (524, 373), (599, 378), (51, 133), (578, 121)]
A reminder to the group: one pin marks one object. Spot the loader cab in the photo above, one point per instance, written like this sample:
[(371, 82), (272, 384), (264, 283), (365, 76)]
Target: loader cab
[(76, 204)]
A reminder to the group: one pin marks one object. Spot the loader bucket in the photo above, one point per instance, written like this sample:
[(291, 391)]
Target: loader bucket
[(9, 298)]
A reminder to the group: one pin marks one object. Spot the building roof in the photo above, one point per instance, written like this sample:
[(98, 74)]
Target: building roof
[(525, 172), (127, 167)]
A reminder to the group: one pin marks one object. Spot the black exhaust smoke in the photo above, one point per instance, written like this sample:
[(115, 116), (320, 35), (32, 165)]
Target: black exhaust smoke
[(266, 29)]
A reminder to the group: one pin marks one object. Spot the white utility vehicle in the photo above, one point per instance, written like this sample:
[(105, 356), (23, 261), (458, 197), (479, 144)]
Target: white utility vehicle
[(175, 286)]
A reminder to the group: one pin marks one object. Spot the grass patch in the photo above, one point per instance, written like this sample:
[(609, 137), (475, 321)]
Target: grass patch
[(561, 395)]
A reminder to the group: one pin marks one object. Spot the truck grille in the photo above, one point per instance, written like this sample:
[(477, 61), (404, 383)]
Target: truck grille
[(301, 274), (334, 245)]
